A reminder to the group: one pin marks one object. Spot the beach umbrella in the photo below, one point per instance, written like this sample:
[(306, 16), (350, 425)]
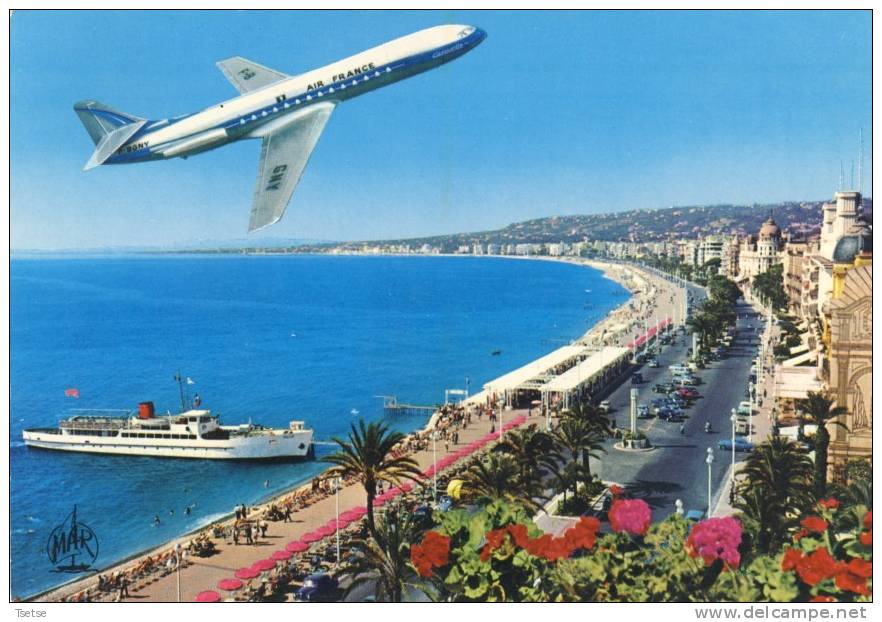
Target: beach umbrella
[(406, 487), (325, 531), (350, 515), (208, 596), (281, 556), (246, 573), (312, 536), (362, 510), (229, 584), (378, 502), (262, 565), (297, 546)]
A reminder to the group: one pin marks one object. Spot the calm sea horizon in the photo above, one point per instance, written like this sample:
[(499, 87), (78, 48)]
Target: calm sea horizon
[(264, 338)]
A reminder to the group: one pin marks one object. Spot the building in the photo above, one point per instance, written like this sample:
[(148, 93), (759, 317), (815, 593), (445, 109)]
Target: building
[(713, 247), (793, 259), (757, 254), (847, 365)]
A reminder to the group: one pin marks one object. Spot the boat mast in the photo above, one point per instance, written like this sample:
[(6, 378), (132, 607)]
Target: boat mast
[(180, 382)]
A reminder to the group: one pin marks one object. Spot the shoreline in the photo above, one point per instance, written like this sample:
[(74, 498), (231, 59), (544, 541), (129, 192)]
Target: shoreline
[(595, 333)]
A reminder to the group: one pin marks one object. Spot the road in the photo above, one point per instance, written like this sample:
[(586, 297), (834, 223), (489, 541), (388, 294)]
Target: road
[(676, 468)]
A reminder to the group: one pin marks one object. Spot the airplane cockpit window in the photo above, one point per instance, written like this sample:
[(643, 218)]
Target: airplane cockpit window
[(465, 32)]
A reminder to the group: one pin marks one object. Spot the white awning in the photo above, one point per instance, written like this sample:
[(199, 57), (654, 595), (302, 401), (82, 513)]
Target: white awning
[(802, 358), (514, 379), (803, 347), (587, 369), (795, 382)]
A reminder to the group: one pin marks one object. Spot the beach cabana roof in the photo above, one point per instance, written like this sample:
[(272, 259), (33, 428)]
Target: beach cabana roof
[(795, 382), (587, 369), (516, 378)]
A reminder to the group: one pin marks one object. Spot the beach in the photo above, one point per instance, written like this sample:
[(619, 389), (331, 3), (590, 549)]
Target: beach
[(652, 300)]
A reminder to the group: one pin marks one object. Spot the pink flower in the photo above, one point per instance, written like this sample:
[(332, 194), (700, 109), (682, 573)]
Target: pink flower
[(716, 538), (631, 516)]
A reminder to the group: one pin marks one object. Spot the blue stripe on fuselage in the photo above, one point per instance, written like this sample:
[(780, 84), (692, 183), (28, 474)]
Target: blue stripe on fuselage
[(431, 58)]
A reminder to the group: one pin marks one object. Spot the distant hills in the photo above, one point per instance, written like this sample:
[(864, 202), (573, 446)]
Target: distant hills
[(801, 219)]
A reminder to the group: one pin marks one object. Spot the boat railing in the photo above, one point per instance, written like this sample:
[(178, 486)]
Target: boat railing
[(94, 424)]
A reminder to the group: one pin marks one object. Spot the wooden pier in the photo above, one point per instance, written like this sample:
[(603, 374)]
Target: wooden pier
[(391, 405)]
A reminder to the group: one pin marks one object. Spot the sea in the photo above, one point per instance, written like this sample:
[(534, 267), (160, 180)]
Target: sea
[(266, 339)]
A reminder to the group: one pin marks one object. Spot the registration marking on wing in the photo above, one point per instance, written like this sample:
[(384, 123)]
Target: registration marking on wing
[(276, 177)]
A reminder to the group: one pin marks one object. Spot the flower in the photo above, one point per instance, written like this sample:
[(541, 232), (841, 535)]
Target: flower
[(815, 523), (816, 567), (853, 576), (829, 503), (519, 533), (616, 491), (716, 538), (434, 552), (866, 538), (631, 516), (822, 598), (791, 558), (868, 520)]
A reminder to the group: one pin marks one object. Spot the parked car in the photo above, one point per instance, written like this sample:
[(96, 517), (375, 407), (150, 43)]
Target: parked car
[(652, 363), (666, 387), (744, 409), (740, 444), (688, 392), (670, 413), (319, 587), (684, 381), (643, 412), (604, 406), (637, 378)]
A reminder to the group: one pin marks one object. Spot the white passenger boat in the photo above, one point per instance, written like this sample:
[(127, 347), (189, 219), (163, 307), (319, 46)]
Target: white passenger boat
[(192, 433)]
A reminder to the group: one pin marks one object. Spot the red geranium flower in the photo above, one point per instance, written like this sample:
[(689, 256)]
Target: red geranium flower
[(432, 553), (853, 576), (519, 533), (868, 519), (829, 504), (791, 558), (823, 598), (816, 567), (631, 516), (866, 538), (815, 523)]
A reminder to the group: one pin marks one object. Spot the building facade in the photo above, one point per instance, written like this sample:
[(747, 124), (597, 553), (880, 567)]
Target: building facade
[(759, 253)]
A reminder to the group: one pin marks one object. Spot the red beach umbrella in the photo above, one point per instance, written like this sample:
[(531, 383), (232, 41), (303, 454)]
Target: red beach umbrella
[(378, 502), (208, 596), (297, 546), (246, 573), (362, 510), (325, 531), (312, 536), (406, 486), (229, 584), (262, 565), (350, 515), (281, 556)]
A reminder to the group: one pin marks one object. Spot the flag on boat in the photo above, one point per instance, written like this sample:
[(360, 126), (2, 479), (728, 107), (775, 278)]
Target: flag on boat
[(72, 392), (190, 380)]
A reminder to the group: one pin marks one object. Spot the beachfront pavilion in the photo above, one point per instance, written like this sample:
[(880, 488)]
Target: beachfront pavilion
[(587, 379), (509, 388)]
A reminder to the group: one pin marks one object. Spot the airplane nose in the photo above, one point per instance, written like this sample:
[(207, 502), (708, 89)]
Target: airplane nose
[(480, 35)]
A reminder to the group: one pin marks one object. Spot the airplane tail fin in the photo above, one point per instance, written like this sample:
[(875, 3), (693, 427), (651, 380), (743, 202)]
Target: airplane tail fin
[(108, 128)]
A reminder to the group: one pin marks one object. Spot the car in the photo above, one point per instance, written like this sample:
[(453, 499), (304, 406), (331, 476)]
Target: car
[(605, 406), (744, 408), (637, 378), (740, 444), (677, 367), (652, 363), (688, 393), (663, 388), (319, 587), (669, 413), (643, 412)]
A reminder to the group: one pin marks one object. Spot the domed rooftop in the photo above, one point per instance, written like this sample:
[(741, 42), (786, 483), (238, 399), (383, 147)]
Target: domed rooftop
[(770, 229), (858, 240)]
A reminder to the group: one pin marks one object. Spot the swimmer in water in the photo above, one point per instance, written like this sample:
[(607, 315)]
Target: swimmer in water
[(156, 520), (187, 511)]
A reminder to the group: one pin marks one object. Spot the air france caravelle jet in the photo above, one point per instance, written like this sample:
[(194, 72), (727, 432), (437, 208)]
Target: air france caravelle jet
[(287, 113)]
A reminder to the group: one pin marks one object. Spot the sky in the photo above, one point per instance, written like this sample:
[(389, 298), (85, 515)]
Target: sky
[(554, 113)]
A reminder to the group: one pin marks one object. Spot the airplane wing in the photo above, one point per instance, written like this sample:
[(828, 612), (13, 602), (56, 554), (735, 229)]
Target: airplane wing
[(283, 157), (247, 75)]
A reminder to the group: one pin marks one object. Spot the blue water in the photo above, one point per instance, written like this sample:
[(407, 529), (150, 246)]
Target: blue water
[(266, 338)]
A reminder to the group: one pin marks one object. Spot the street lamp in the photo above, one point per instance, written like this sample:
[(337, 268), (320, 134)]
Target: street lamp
[(709, 460), (434, 466), (750, 419), (733, 418), (337, 483), (678, 504), (179, 559)]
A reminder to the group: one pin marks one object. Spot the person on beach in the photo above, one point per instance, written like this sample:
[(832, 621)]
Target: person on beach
[(248, 538), (236, 534), (288, 513), (263, 528), (123, 587)]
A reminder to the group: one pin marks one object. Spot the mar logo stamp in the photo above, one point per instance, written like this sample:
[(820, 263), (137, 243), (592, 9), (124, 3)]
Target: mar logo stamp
[(72, 546)]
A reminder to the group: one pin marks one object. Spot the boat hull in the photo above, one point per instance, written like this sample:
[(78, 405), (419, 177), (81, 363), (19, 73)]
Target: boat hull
[(288, 446)]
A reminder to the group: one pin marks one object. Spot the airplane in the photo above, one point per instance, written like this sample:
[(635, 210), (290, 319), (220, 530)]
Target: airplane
[(288, 113)]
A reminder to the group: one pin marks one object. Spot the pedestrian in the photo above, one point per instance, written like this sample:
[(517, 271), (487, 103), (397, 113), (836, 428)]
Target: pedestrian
[(123, 586), (263, 528), (248, 538), (236, 534), (287, 513)]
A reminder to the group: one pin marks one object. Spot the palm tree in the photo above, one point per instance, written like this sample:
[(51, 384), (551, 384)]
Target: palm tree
[(382, 561), (701, 324), (774, 491), (498, 476), (532, 449), (366, 456), (580, 438), (818, 408)]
